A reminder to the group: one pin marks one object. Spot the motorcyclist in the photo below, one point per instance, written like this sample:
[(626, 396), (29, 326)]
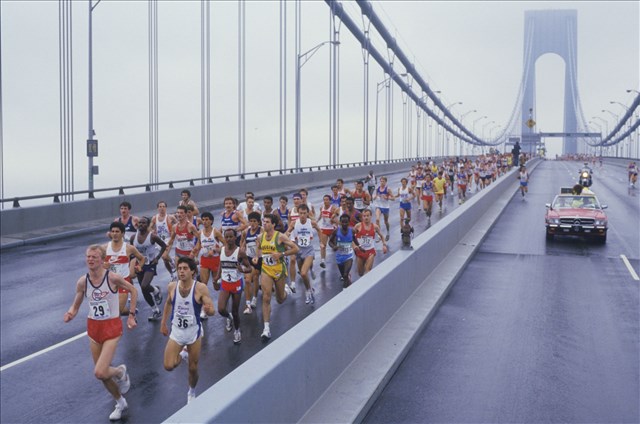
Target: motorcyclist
[(585, 180)]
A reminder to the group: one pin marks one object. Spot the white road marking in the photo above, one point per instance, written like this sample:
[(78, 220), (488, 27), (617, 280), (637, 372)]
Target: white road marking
[(33, 355), (633, 273)]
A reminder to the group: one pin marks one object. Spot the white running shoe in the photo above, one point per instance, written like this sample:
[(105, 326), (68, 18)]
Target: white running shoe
[(157, 295), (313, 274), (288, 289), (254, 302), (307, 298), (266, 334), (155, 316), (123, 383), (237, 336), (117, 413), (190, 397), (248, 310), (203, 315), (229, 326)]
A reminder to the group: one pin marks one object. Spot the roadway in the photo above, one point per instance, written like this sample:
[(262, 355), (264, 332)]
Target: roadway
[(533, 331), (37, 287)]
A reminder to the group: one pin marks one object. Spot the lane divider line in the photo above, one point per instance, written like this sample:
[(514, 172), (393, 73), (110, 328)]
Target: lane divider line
[(633, 273), (43, 351)]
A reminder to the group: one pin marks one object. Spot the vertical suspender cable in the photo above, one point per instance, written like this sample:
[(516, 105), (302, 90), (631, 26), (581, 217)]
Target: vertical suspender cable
[(203, 150), (205, 88), (365, 58)]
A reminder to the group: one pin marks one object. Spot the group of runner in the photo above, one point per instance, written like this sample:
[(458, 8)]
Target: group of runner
[(253, 247)]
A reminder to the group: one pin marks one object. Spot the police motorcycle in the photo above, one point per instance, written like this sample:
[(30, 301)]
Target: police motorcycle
[(585, 179)]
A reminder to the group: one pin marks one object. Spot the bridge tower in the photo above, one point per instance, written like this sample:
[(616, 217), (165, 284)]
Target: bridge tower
[(552, 31)]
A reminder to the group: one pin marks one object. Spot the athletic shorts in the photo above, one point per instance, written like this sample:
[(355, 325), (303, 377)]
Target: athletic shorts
[(146, 268), (187, 336), (258, 265), (427, 198), (341, 258), (365, 255), (128, 280), (304, 252), (524, 183), (405, 206), (327, 231), (233, 286), (462, 187), (212, 263), (384, 211), (102, 330)]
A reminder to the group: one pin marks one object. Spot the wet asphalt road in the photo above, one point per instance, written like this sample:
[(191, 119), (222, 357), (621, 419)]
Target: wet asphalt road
[(37, 286), (533, 331)]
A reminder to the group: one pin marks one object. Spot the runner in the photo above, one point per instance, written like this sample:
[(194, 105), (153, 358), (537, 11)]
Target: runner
[(186, 298), (208, 248), (383, 196), (233, 263), (372, 182), (343, 243), (302, 234), (365, 233), (305, 201), (290, 261), (230, 218), (361, 198), (130, 221), (461, 178), (439, 184), (104, 327), (249, 245), (327, 224), (405, 195), (335, 196), (283, 212), (272, 248), (186, 200), (118, 254), (427, 196), (146, 242), (523, 176), (184, 233), (161, 224)]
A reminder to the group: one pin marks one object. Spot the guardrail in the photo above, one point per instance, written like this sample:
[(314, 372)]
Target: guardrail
[(60, 197)]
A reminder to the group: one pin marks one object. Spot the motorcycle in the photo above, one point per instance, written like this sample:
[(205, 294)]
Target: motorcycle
[(585, 179)]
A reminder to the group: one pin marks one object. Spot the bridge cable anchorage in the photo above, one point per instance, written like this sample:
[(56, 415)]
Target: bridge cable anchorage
[(147, 187), (171, 184), (56, 198), (121, 190), (191, 183), (16, 203)]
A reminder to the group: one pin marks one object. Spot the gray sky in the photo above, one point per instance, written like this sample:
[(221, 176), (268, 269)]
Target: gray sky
[(471, 51)]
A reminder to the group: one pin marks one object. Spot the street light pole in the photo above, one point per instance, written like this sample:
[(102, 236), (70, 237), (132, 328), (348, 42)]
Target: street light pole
[(474, 124), (301, 59), (92, 145), (378, 89)]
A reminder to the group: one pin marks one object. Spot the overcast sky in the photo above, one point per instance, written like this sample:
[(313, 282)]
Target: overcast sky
[(471, 51)]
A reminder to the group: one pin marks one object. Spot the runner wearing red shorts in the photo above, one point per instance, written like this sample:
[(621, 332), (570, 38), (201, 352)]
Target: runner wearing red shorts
[(365, 233), (427, 196), (117, 257), (104, 326), (327, 223)]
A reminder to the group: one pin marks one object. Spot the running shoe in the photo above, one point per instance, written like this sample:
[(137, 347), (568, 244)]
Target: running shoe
[(313, 297), (155, 316), (203, 315), (307, 298), (254, 302), (323, 265), (289, 289), (117, 413), (313, 274), (248, 310), (386, 238), (229, 326), (237, 336), (190, 397), (266, 334), (157, 295), (123, 382)]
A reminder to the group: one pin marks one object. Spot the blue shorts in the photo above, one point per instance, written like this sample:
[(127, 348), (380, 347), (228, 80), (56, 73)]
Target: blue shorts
[(523, 183), (341, 258), (146, 268), (405, 206), (384, 211)]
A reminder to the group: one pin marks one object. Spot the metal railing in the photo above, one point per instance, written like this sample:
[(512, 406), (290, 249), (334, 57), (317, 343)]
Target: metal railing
[(191, 182)]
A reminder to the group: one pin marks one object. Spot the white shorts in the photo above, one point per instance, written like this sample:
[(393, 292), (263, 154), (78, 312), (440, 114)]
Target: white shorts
[(186, 336)]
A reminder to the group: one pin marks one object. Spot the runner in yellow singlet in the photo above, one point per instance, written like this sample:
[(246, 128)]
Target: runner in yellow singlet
[(272, 248)]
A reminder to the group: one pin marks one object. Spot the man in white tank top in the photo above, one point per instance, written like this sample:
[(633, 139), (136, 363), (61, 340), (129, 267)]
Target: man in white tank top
[(104, 326), (185, 299), (161, 224)]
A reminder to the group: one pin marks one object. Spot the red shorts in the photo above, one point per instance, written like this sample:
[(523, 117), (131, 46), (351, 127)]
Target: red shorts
[(327, 231), (427, 198), (120, 289), (232, 287), (210, 262), (365, 255), (462, 187), (101, 331)]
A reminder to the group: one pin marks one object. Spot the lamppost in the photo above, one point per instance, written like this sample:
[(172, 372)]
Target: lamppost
[(466, 113), (92, 144), (600, 129), (485, 126), (474, 123), (627, 141), (378, 89), (301, 59), (615, 116)]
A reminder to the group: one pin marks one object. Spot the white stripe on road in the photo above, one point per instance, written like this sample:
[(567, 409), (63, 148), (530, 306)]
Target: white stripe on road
[(33, 355), (630, 268)]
